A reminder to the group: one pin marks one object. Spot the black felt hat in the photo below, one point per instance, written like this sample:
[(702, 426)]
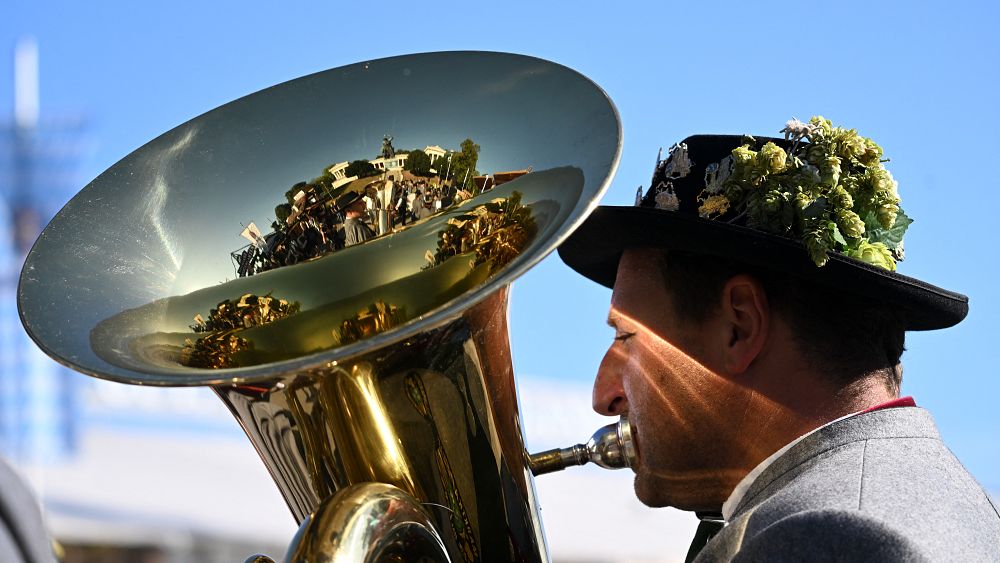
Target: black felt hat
[(347, 199), (667, 216)]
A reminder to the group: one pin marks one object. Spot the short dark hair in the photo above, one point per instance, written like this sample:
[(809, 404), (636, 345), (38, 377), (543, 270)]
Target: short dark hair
[(849, 336)]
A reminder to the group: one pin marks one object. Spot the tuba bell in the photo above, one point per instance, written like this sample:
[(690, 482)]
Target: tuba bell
[(373, 378)]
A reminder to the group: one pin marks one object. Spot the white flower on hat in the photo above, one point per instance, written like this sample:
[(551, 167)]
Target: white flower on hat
[(795, 130)]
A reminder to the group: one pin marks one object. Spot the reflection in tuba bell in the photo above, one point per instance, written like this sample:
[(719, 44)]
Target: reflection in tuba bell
[(362, 341)]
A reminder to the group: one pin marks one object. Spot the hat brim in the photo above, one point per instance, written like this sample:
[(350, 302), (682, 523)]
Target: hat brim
[(347, 199), (594, 249)]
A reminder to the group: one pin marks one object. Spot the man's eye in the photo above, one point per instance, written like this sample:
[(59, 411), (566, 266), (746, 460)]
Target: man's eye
[(623, 336)]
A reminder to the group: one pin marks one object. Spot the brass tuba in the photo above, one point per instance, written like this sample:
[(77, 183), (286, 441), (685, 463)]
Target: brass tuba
[(361, 342)]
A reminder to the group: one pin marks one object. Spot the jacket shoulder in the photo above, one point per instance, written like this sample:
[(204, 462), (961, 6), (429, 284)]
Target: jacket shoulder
[(912, 490), (885, 471)]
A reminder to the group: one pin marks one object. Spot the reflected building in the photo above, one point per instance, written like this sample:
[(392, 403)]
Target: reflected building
[(392, 164), (434, 152), (339, 173)]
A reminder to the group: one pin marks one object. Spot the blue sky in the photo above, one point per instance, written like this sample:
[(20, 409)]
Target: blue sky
[(920, 78)]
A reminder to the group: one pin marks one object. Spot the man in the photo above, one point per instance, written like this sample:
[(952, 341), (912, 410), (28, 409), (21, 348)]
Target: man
[(423, 205), (355, 229), (758, 326)]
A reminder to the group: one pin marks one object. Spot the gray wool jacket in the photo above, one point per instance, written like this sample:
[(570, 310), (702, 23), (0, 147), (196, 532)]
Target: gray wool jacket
[(879, 486)]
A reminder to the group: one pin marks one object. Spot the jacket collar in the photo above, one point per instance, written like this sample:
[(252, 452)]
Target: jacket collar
[(901, 422)]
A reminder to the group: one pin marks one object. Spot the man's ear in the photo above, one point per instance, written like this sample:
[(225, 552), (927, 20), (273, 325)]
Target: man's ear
[(745, 321)]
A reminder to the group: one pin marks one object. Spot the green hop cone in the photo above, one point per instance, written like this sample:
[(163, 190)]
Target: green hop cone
[(830, 171), (851, 145), (887, 214), (840, 198), (872, 153), (850, 224), (881, 183), (772, 159), (845, 143), (852, 185), (816, 246), (743, 156), (772, 201), (875, 254), (744, 160), (824, 127)]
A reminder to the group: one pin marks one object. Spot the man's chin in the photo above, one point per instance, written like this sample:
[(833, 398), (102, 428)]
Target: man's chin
[(651, 494), (656, 494)]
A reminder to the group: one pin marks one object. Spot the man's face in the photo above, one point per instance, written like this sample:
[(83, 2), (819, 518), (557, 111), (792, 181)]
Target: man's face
[(355, 209), (657, 371)]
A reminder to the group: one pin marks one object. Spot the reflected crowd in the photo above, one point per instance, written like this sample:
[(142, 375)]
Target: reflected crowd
[(336, 211), (320, 224)]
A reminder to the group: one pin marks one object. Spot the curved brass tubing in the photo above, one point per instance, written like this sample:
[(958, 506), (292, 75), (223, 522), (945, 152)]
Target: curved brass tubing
[(368, 523)]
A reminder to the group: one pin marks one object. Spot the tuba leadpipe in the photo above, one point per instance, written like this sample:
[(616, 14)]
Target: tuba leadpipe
[(611, 447), (374, 379)]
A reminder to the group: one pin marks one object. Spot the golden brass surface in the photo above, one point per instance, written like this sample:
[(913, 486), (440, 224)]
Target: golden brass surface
[(368, 523), (435, 416)]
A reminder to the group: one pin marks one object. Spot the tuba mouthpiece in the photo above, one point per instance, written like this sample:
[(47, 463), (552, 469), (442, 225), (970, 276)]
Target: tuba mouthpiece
[(611, 447)]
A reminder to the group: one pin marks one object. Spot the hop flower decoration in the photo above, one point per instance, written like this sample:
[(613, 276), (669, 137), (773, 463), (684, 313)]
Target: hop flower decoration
[(832, 193), (875, 254), (772, 159)]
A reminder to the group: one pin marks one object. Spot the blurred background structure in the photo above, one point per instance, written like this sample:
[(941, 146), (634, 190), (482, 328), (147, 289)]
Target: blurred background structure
[(38, 160), (136, 474)]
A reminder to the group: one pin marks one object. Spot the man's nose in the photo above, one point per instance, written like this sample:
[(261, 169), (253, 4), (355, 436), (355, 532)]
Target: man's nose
[(609, 393)]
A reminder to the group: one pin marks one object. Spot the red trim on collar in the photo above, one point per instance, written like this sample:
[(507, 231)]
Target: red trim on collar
[(900, 402)]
